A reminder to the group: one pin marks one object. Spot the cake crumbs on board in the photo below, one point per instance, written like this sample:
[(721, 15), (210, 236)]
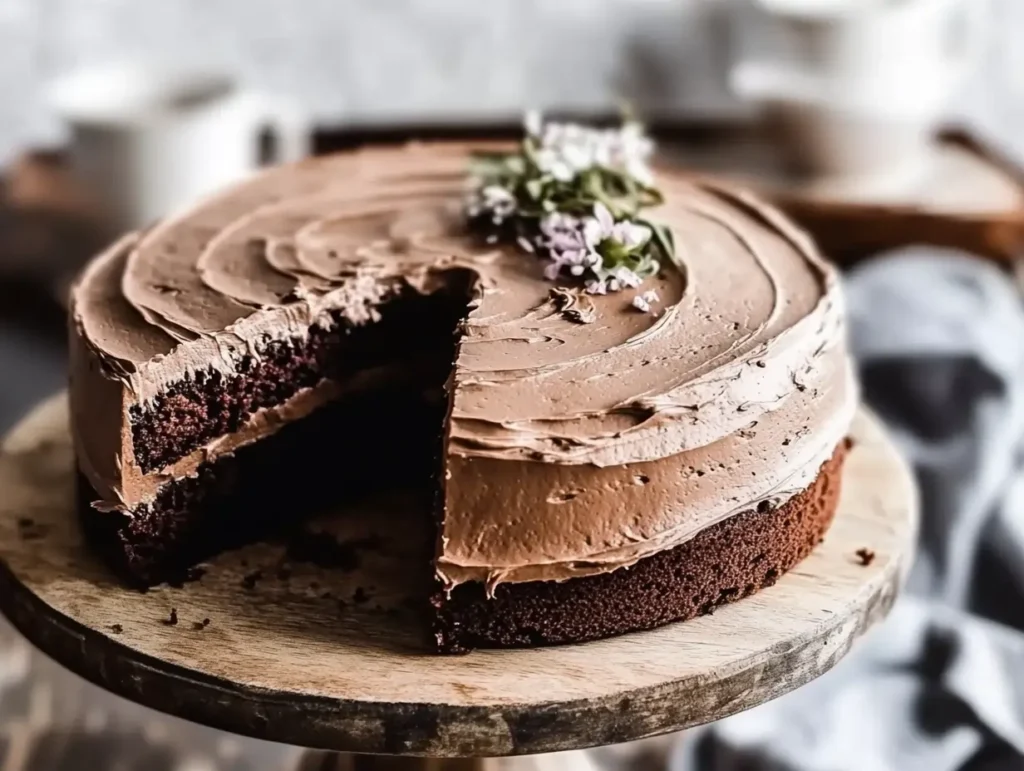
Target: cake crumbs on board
[(865, 556)]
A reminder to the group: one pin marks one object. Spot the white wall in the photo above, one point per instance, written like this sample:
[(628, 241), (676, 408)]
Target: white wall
[(372, 60)]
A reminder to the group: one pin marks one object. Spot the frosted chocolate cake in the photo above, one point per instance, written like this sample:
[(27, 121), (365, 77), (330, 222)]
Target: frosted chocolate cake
[(629, 396)]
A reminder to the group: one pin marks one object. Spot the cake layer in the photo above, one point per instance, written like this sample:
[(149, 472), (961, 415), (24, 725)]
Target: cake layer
[(723, 563)]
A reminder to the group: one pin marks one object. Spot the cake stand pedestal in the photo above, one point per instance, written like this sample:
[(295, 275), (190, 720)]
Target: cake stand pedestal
[(322, 648)]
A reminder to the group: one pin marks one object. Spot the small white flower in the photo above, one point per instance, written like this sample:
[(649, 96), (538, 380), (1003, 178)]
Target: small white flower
[(567, 149), (630, 152), (599, 227), (603, 227), (561, 233), (630, 234), (499, 200), (627, 278), (492, 200), (551, 162), (597, 286), (641, 304), (558, 223)]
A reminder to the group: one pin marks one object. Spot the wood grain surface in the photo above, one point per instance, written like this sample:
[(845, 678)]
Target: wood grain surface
[(969, 195), (269, 644)]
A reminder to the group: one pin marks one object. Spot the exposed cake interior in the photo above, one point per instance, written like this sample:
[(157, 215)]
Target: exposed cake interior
[(407, 345), (269, 488), (207, 405)]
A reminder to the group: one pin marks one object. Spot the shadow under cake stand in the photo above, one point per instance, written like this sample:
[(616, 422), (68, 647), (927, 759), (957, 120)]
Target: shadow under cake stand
[(320, 646)]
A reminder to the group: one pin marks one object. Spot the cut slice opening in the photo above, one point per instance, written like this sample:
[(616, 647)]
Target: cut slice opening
[(209, 405)]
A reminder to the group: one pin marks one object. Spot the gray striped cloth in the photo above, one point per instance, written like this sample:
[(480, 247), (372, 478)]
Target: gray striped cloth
[(939, 338)]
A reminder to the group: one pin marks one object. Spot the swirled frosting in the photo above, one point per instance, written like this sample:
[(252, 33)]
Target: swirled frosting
[(583, 434)]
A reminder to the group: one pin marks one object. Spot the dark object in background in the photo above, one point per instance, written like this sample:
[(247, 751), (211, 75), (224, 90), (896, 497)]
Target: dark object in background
[(931, 396)]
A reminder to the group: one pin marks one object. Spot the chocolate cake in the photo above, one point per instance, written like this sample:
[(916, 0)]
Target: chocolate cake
[(601, 462)]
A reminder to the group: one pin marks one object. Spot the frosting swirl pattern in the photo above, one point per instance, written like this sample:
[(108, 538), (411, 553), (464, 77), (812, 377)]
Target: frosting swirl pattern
[(583, 434)]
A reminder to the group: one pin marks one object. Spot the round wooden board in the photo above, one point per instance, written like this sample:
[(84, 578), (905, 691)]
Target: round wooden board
[(332, 658)]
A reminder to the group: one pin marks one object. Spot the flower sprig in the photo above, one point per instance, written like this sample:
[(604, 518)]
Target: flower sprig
[(573, 196)]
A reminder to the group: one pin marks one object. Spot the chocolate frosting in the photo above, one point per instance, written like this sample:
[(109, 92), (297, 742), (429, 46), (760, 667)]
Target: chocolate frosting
[(583, 433)]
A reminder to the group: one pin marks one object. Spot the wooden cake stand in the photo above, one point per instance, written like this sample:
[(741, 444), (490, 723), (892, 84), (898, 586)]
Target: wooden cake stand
[(319, 645)]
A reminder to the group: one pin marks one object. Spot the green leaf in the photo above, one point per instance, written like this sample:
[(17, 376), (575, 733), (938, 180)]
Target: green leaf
[(661, 238), (534, 188)]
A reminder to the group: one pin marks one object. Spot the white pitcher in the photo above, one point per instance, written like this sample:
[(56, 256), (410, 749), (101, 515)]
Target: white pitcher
[(147, 140), (863, 82)]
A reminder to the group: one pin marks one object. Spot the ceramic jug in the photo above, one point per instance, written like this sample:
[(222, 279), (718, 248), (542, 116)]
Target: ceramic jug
[(861, 81), (148, 139)]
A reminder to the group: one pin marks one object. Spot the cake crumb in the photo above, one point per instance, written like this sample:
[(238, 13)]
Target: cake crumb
[(195, 573), (172, 620), (30, 530), (189, 576), (200, 625), (116, 628), (865, 556)]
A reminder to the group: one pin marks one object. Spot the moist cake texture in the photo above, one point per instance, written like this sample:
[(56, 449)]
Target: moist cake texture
[(593, 463)]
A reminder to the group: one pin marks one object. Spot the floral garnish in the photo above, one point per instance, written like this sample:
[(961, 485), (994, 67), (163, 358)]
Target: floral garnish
[(643, 302), (573, 195)]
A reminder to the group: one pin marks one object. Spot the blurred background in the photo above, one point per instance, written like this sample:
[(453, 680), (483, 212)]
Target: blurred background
[(893, 130)]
